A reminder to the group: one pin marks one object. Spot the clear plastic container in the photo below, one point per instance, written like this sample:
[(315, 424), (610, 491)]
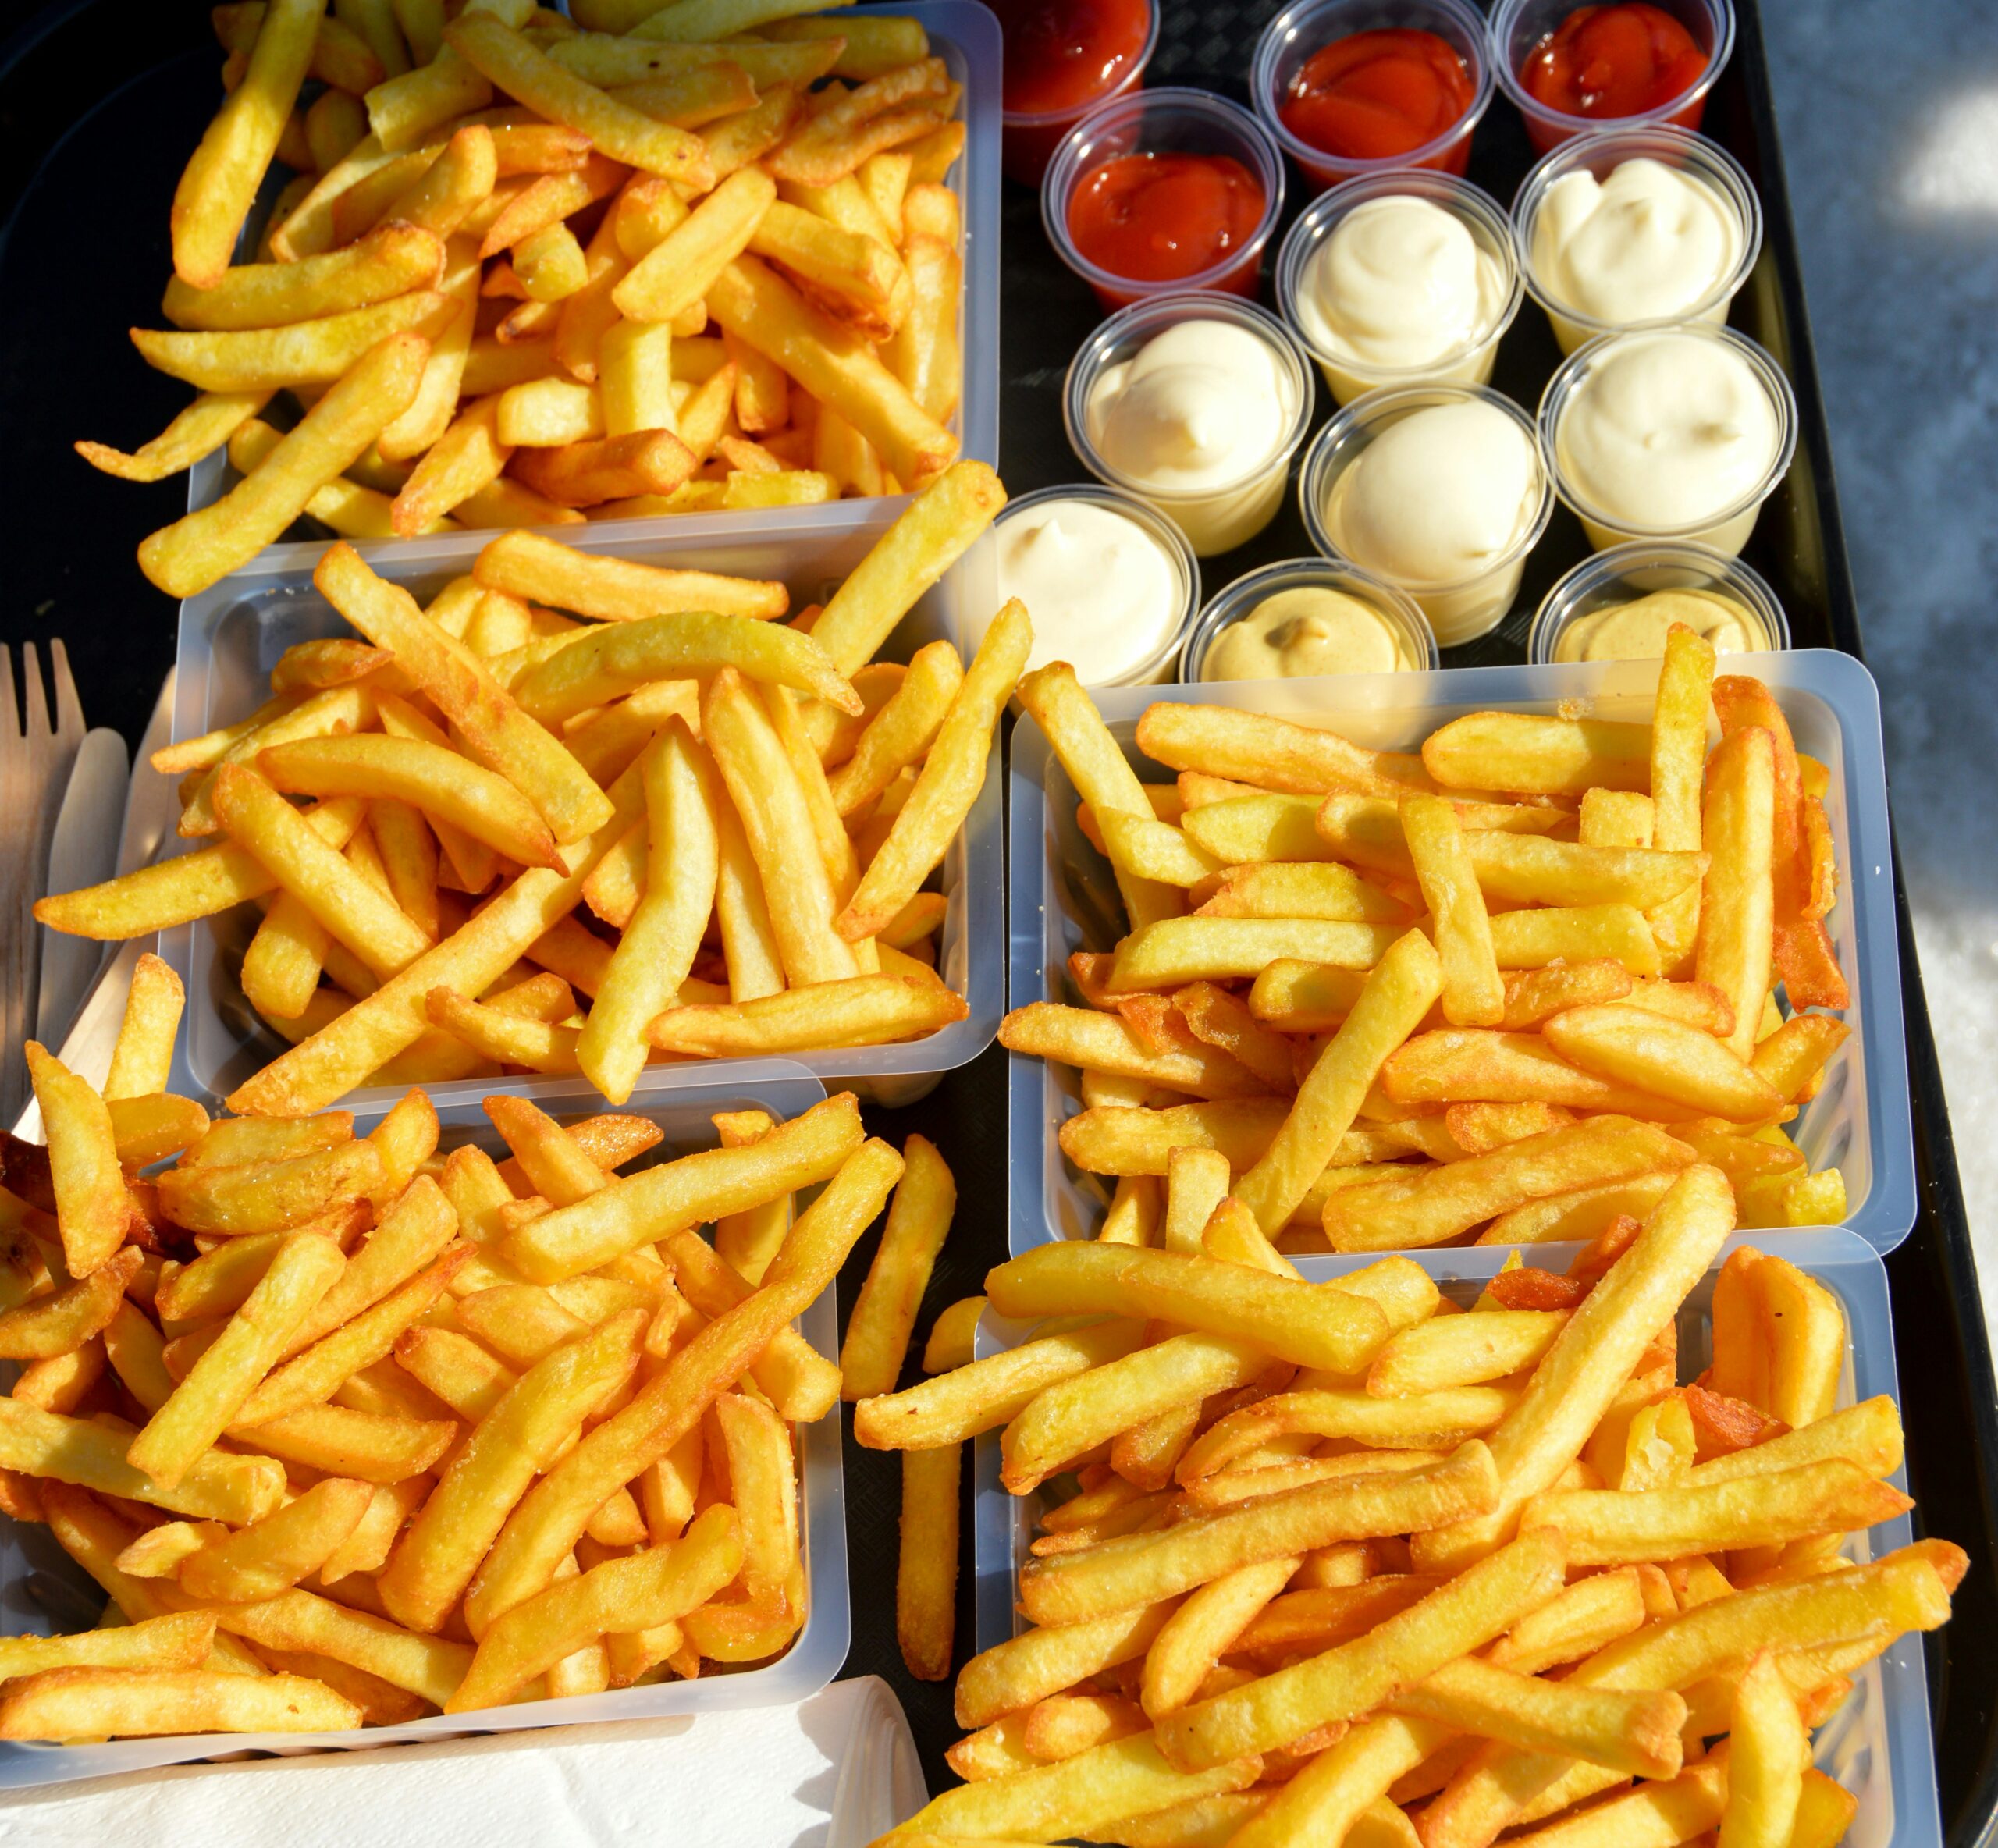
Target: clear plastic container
[(1160, 663), (1518, 26), (1395, 608), (1625, 572), (1464, 608), (231, 637), (1469, 363), (1877, 1745), (1308, 26), (1064, 899), (1699, 162), (1727, 529), (1215, 519), (1163, 122), (815, 1656), (965, 35), (1032, 137)]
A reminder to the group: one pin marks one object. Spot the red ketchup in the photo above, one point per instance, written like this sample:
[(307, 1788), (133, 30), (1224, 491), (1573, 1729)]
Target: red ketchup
[(1062, 56), (1607, 61), (1374, 96), (1159, 217)]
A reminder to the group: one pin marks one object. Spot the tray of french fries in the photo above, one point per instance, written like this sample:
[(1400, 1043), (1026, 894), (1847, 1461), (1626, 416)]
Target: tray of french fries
[(1053, 1684), (1193, 957), (593, 275), (295, 1403), (836, 838)]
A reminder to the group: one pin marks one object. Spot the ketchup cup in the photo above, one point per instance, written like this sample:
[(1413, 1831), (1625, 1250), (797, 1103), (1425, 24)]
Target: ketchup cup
[(1307, 26), (1030, 137), (1162, 122), (1518, 26)]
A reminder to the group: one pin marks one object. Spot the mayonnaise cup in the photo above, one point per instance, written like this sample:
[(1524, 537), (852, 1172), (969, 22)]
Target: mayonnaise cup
[(1204, 432), (1412, 642), (1627, 445), (1089, 621), (1725, 249), (1460, 606), (1569, 624), (1468, 288)]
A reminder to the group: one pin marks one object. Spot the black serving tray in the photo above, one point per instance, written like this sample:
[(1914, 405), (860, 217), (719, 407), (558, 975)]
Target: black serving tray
[(100, 101)]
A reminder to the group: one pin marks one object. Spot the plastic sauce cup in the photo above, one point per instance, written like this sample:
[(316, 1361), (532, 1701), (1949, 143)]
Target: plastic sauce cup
[(1470, 364), (1307, 26), (1248, 594), (1700, 160), (1625, 572), (1028, 140), (1727, 529), (1462, 608), (1163, 122), (1158, 664), (1215, 519), (1517, 26)]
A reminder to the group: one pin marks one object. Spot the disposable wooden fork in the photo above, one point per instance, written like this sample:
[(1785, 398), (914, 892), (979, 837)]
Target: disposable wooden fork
[(37, 747)]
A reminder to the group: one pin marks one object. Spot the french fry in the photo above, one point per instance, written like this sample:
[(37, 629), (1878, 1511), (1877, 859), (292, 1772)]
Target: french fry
[(220, 183), (202, 1406), (656, 1587), (91, 1455), (926, 1561), (884, 1314), (1736, 922), (93, 1210), (91, 1703), (1473, 994), (1539, 756), (657, 949), (205, 426)]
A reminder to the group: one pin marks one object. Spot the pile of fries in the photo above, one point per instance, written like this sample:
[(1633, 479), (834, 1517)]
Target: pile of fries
[(526, 274), (352, 1430), (1346, 1561), (1506, 990), (716, 826)]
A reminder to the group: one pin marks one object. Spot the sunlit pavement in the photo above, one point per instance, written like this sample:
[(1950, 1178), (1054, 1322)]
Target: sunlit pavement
[(1889, 115)]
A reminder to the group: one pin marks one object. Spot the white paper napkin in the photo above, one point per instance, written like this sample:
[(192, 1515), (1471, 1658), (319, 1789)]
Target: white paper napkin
[(833, 1772)]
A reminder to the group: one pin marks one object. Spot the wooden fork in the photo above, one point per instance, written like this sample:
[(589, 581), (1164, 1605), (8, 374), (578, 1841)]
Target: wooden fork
[(37, 747)]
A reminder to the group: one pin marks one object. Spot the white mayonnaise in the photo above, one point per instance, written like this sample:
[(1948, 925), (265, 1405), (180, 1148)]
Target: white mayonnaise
[(1650, 242), (1198, 420), (1663, 431), (1401, 287), (1442, 502), (1104, 594)]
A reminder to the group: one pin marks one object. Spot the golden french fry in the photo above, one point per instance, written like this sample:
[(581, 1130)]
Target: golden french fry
[(91, 1455), (199, 430), (656, 1587), (884, 1314), (1769, 1753), (948, 783), (60, 1703), (1734, 951), (93, 1210), (1271, 753), (1447, 1201), (1680, 1063), (926, 1561), (220, 183), (1539, 756), (657, 949), (1401, 991), (1593, 1355), (1298, 1322), (1473, 994), (276, 1552), (203, 1403), (59, 1324), (509, 61), (318, 352)]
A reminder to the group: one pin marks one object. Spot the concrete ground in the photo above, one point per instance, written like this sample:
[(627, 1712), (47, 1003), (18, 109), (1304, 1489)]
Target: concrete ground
[(1889, 116)]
